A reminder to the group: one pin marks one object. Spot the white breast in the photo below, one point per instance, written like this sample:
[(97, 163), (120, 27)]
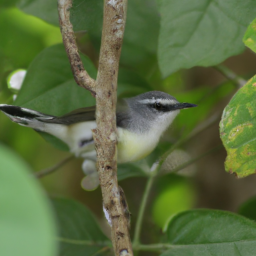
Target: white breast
[(133, 147)]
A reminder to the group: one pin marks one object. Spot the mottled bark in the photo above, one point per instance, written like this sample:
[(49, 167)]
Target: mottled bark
[(104, 89)]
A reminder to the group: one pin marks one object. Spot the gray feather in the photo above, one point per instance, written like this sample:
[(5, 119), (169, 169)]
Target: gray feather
[(75, 116)]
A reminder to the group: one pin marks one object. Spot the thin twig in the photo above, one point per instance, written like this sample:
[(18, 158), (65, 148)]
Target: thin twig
[(102, 250), (154, 247), (213, 90), (84, 242), (230, 75), (81, 76), (136, 239), (201, 127), (49, 170), (106, 245), (193, 160)]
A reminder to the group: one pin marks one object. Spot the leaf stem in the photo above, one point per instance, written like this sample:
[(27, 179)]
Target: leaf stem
[(230, 75), (136, 239), (191, 161), (137, 247), (49, 170), (201, 127), (84, 242), (153, 247)]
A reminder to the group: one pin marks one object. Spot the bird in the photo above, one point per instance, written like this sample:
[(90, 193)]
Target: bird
[(140, 121)]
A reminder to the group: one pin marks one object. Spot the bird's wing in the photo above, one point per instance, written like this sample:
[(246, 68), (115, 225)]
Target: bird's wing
[(88, 114), (75, 116), (22, 115)]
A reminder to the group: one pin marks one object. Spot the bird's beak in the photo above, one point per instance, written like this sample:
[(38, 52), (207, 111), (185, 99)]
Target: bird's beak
[(184, 105)]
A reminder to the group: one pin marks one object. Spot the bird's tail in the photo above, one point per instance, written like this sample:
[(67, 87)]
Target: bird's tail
[(25, 116)]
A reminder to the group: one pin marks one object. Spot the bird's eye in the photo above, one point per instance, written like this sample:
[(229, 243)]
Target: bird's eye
[(158, 106)]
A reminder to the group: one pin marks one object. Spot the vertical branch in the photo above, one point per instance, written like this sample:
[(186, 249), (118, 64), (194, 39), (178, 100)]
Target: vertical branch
[(104, 89), (105, 135)]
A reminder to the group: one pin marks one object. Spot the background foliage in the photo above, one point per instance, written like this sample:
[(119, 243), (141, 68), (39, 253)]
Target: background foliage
[(173, 46)]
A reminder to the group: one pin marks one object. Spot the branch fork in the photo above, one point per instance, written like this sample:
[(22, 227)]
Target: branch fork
[(104, 90)]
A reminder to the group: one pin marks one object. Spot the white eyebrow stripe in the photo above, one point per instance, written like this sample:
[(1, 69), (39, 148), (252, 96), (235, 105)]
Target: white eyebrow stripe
[(163, 101)]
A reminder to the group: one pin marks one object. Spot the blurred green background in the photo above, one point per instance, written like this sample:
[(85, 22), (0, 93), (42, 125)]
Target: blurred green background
[(24, 36)]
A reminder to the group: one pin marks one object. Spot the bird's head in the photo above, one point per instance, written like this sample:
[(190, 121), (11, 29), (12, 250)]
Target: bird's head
[(156, 108)]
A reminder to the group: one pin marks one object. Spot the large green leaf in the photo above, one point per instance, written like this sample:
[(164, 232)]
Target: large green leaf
[(130, 83), (85, 15), (79, 232), (26, 220), (8, 3), (237, 131), (141, 34), (22, 38), (250, 36), (210, 232), (49, 85), (201, 32), (248, 209), (44, 9)]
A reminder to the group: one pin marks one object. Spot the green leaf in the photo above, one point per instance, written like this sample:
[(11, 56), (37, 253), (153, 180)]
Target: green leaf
[(22, 38), (8, 3), (131, 84), (141, 32), (79, 232), (44, 9), (54, 141), (248, 209), (126, 76), (210, 232), (49, 85), (237, 131), (85, 15), (200, 32), (250, 36), (26, 220)]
